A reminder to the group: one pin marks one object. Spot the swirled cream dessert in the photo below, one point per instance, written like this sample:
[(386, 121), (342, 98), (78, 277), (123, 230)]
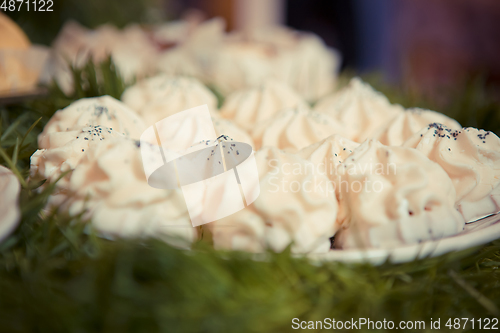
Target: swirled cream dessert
[(310, 68), (9, 202), (191, 30), (296, 206), (294, 129), (188, 46), (471, 158), (297, 58), (175, 32), (105, 111), (52, 162), (239, 64), (250, 106), (67, 50), (409, 122), (179, 62), (228, 128), (390, 196), (359, 108), (248, 58), (77, 43), (327, 154), (134, 55), (110, 186), (131, 50), (162, 96)]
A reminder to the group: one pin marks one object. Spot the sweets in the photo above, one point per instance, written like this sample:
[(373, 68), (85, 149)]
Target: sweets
[(189, 46), (355, 168), (131, 50), (327, 154), (409, 122), (251, 106), (231, 130), (471, 158), (288, 209), (104, 111), (298, 59), (359, 109), (58, 159), (391, 196), (294, 129), (162, 96), (110, 186)]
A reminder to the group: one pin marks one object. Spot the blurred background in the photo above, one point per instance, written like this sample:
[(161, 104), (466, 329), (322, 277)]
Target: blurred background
[(441, 55), (430, 46)]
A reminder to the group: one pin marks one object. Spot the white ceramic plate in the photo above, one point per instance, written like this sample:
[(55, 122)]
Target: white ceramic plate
[(476, 233)]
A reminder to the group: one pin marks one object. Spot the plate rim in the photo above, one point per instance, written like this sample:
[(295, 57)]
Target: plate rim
[(476, 234)]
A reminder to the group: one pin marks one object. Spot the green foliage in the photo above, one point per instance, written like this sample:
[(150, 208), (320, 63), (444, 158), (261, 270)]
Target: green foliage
[(96, 80), (57, 276), (18, 129), (91, 80)]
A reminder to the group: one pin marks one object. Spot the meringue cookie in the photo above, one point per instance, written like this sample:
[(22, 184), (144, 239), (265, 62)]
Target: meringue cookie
[(96, 44), (294, 129), (359, 108), (327, 154), (133, 53), (194, 44), (49, 164), (407, 123), (239, 65), (226, 127), (68, 49), (311, 68), (177, 62), (250, 106), (9, 202), (104, 111), (295, 206), (190, 31), (173, 32), (134, 56), (297, 58), (162, 96), (390, 196), (70, 40), (110, 185), (471, 158)]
